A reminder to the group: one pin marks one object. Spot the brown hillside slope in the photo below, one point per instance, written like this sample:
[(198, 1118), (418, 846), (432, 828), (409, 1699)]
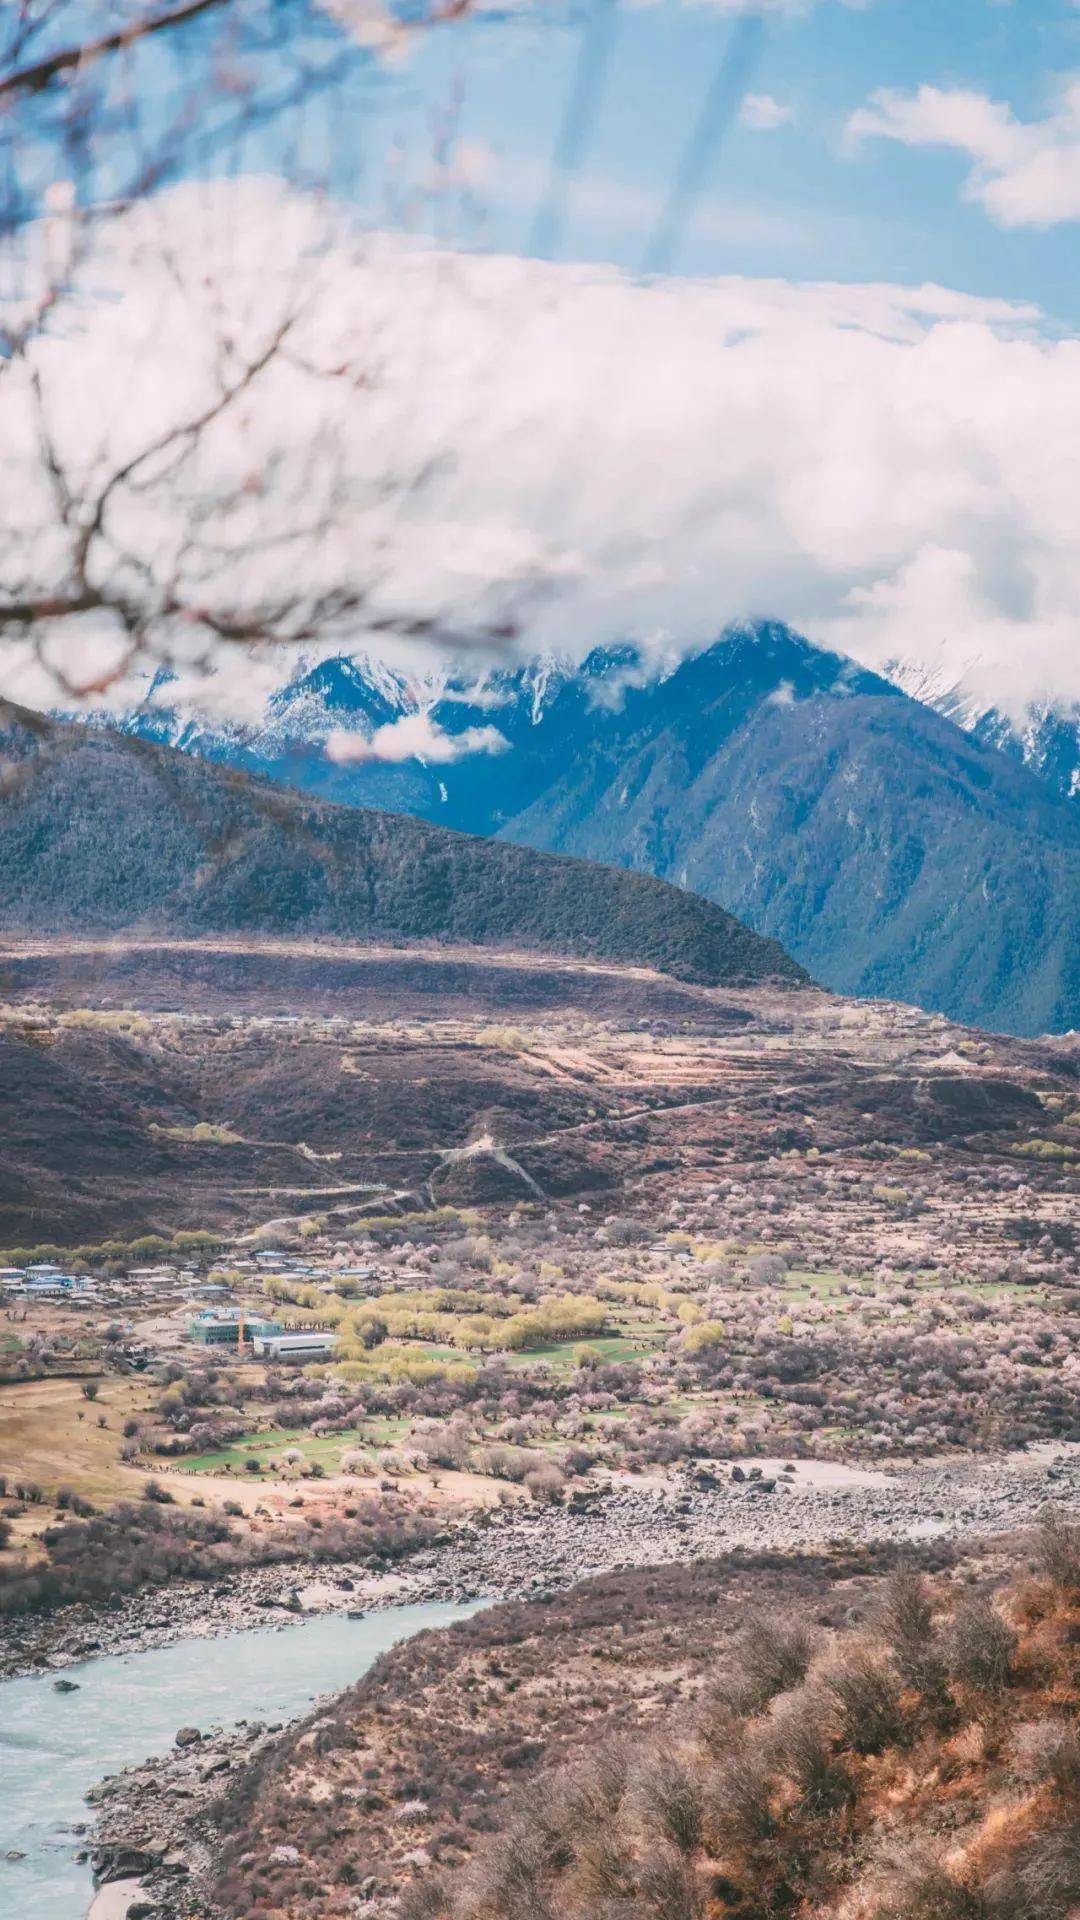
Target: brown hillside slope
[(922, 1763)]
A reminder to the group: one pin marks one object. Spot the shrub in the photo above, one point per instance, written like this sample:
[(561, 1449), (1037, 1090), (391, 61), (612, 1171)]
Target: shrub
[(906, 1618), (737, 1811), (907, 1626), (773, 1656), (981, 1646), (603, 1870), (1049, 1751), (718, 1723), (595, 1789), (356, 1460), (669, 1798), (1043, 1882), (545, 1483), (509, 1876), (426, 1899), (666, 1887), (1057, 1550), (624, 1232), (801, 1748), (922, 1890), (867, 1698)]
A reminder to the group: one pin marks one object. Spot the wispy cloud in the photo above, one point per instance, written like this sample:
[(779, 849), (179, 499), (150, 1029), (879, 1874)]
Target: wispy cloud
[(416, 736), (762, 114), (1024, 173), (628, 209)]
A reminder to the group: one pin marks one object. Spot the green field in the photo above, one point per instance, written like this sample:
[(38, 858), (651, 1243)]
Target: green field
[(324, 1450), (563, 1356), (816, 1286)]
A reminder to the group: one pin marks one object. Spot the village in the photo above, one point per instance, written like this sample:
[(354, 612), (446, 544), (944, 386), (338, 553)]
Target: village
[(210, 1323), (462, 1265)]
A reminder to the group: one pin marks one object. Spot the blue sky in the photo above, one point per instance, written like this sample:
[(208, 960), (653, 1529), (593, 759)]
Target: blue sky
[(893, 472), (794, 201)]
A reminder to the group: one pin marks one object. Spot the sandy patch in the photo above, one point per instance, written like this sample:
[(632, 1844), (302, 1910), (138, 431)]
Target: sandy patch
[(112, 1902)]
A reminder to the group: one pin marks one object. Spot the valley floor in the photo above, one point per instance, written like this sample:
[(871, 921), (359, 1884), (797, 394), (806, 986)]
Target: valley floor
[(671, 1520), (618, 1280)]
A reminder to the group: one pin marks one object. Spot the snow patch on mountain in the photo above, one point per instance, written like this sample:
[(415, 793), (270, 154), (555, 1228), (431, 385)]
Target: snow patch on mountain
[(1045, 735)]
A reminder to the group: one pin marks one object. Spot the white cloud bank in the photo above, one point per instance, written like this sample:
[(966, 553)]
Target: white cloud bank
[(1024, 173), (579, 456), (416, 736)]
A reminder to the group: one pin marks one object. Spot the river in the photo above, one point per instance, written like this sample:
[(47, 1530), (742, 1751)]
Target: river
[(54, 1746)]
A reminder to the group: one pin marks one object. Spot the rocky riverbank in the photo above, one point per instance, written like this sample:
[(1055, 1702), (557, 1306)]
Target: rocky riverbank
[(153, 1821), (497, 1554), (151, 1833), (706, 1513)]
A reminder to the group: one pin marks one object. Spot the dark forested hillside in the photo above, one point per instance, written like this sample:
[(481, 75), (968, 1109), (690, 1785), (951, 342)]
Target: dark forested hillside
[(101, 832)]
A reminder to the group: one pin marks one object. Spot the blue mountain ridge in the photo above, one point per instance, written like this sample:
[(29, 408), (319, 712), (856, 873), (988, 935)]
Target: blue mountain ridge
[(892, 852)]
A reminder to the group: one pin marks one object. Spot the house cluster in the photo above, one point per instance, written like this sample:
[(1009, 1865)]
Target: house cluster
[(205, 1302), (248, 1331), (48, 1284), (272, 1265), (44, 1281)]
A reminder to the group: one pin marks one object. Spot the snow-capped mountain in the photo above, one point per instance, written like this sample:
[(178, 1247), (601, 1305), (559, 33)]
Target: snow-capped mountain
[(895, 845), (1047, 740), (1045, 737)]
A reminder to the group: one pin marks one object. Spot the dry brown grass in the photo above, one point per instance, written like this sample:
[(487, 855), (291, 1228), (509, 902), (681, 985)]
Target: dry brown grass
[(44, 1439)]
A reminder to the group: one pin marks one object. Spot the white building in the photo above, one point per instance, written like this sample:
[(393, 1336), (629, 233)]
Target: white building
[(301, 1347)]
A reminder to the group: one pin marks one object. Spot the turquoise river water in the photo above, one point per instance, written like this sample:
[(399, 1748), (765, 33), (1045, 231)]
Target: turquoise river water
[(53, 1746)]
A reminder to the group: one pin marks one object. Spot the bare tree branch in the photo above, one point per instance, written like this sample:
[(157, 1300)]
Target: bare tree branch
[(44, 72), (180, 436), (39, 75), (239, 517)]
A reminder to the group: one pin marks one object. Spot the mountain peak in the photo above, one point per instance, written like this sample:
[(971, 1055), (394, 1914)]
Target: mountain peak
[(890, 851)]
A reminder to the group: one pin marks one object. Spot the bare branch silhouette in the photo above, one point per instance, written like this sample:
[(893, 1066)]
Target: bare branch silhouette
[(39, 74), (158, 538)]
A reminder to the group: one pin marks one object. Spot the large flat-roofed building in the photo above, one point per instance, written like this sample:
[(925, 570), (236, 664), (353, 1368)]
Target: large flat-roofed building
[(295, 1347), (228, 1327)]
